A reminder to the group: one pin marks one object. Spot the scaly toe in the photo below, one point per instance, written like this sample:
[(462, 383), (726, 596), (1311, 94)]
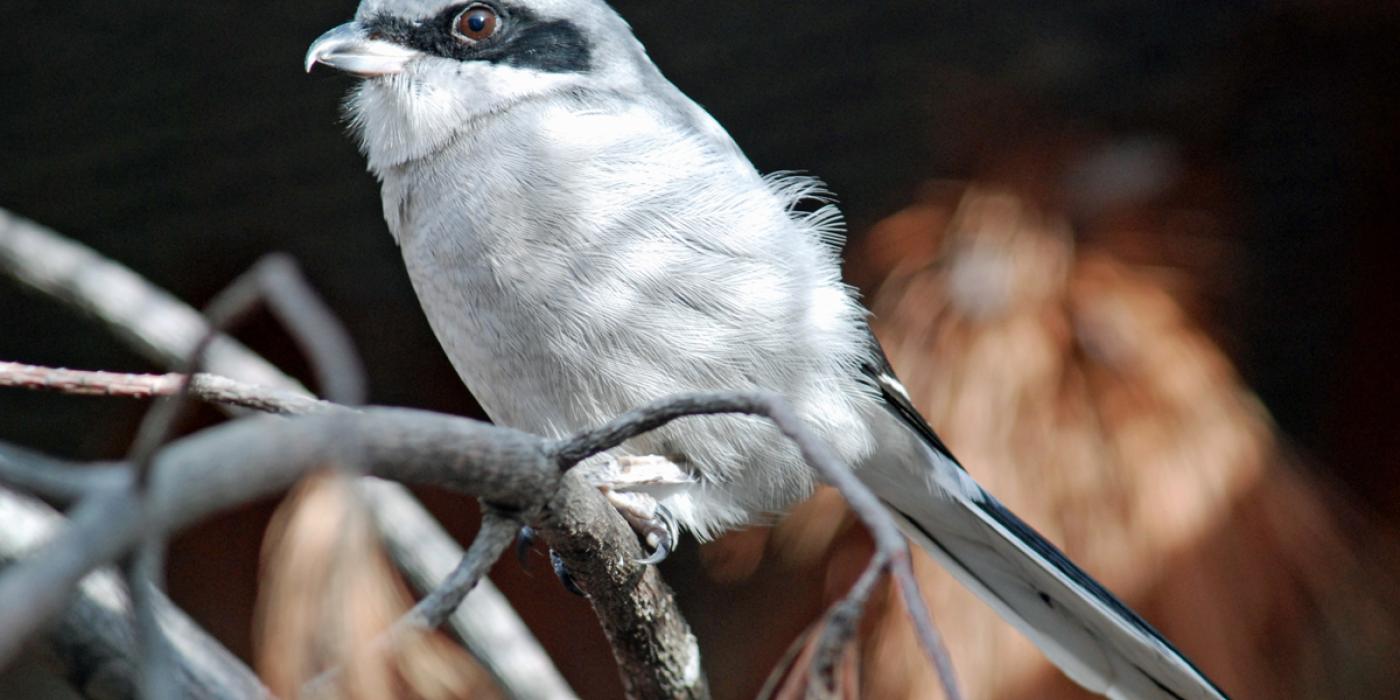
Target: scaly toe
[(660, 534)]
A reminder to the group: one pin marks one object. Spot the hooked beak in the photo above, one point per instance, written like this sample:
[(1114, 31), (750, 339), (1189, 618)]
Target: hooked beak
[(349, 48)]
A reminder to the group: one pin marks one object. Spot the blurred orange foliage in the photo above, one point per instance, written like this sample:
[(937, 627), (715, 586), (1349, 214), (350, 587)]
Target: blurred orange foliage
[(327, 595), (1077, 390)]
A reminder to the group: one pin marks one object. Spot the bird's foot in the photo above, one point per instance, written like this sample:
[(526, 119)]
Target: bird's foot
[(627, 481), (649, 519)]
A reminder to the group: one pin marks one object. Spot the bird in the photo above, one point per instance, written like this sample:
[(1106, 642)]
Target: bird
[(584, 238)]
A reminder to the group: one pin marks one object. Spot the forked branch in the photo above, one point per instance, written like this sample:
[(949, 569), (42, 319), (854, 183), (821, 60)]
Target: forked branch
[(167, 488)]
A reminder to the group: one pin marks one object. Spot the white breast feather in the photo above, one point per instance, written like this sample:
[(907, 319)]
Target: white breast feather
[(620, 258)]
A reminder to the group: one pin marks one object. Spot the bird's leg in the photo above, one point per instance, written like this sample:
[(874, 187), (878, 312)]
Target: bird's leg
[(630, 483)]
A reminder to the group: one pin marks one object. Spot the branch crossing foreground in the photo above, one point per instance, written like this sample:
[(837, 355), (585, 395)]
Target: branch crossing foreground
[(124, 511)]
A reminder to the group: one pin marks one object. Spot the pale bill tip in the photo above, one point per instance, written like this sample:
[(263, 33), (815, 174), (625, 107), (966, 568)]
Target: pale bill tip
[(349, 49)]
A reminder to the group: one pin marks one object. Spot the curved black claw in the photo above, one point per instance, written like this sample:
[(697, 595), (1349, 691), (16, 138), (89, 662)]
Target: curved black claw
[(661, 533), (656, 557), (523, 542), (562, 571)]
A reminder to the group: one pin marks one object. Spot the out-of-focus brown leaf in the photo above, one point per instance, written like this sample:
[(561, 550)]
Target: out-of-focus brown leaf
[(327, 594), (1079, 391)]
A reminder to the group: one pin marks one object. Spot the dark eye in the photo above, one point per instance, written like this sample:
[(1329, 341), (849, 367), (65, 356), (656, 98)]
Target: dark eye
[(477, 22)]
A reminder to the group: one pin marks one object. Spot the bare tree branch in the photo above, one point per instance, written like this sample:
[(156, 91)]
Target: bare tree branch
[(94, 636), (242, 460), (54, 479), (252, 457), (495, 536), (35, 589), (209, 388), (239, 461), (157, 324), (639, 652), (166, 330), (145, 579), (528, 674), (84, 383), (656, 653), (632, 604), (929, 637), (276, 283)]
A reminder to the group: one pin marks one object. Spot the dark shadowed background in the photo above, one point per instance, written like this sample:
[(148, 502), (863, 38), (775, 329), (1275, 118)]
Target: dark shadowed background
[(183, 140)]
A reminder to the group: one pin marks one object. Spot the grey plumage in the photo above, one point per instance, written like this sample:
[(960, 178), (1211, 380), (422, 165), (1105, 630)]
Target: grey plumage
[(584, 238)]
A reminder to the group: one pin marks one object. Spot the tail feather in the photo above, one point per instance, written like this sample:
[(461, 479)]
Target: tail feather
[(1082, 628), (1085, 631)]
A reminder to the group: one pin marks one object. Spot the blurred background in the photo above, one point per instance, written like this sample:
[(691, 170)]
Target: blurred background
[(1134, 260)]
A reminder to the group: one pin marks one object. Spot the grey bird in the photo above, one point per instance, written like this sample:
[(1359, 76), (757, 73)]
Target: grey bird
[(584, 239)]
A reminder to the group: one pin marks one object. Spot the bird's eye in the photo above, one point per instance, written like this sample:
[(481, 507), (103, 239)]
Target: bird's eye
[(477, 22)]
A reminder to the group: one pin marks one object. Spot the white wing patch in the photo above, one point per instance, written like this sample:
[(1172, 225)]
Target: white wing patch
[(888, 381)]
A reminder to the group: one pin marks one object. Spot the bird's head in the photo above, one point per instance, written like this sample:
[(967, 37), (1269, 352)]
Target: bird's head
[(432, 69)]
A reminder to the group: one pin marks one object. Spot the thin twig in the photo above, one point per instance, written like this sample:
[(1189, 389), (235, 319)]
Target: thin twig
[(929, 638), (209, 388), (340, 375), (841, 624), (496, 534), (85, 383), (276, 282), (786, 662)]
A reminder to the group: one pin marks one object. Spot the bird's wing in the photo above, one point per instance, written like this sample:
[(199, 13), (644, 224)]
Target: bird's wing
[(1082, 628)]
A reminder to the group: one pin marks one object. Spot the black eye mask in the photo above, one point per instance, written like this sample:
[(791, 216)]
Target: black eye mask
[(523, 40)]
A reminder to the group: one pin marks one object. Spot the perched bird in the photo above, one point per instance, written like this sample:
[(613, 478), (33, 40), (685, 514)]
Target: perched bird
[(584, 239)]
